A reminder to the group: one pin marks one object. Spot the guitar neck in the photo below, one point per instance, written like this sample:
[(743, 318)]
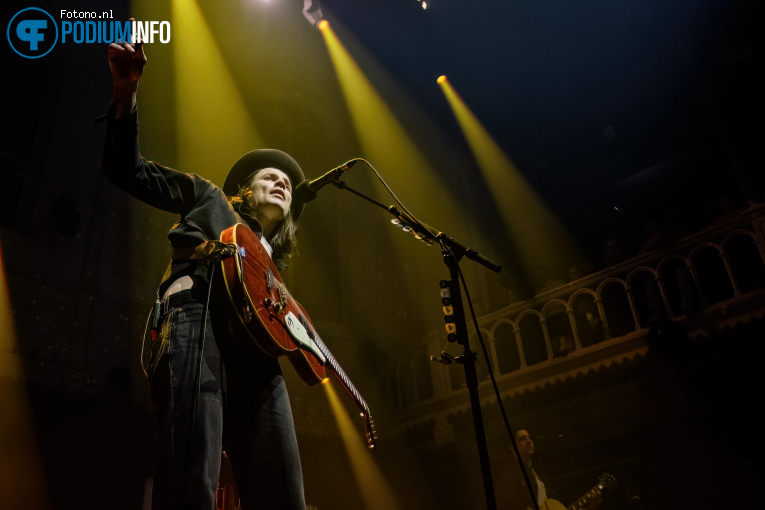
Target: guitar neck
[(333, 366), (340, 375), (584, 500)]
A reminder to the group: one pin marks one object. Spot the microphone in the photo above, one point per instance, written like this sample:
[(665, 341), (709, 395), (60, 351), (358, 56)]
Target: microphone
[(306, 190)]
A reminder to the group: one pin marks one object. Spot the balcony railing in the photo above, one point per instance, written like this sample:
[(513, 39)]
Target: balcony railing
[(598, 319)]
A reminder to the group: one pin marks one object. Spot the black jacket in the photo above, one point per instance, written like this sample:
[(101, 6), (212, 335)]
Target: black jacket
[(204, 210)]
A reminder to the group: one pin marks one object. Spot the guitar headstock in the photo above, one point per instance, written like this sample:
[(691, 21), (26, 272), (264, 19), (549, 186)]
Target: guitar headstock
[(606, 481), (369, 429)]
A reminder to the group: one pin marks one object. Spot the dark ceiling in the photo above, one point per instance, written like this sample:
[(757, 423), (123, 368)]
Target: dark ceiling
[(579, 94)]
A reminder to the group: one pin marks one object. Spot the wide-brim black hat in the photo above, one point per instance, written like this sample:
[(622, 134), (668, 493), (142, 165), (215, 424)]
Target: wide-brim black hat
[(265, 158)]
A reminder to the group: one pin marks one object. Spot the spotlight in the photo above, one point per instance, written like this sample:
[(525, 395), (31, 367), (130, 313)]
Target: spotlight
[(323, 24), (312, 12), (424, 5), (441, 79)]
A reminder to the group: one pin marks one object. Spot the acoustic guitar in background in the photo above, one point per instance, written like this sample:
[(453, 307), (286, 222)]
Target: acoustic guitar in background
[(606, 481)]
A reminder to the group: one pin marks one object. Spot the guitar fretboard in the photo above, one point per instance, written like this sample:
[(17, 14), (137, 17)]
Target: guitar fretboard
[(331, 362)]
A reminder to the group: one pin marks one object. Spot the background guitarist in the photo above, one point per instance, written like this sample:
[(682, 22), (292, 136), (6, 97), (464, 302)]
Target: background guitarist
[(212, 390), (520, 494)]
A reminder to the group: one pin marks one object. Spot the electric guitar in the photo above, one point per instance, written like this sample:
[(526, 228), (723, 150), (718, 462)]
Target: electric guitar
[(274, 320), (606, 481)]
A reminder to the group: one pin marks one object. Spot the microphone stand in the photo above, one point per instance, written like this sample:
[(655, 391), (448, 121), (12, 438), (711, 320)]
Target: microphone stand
[(452, 253)]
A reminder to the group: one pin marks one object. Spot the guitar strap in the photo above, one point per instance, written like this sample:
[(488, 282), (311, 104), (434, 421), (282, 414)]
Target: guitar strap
[(212, 250), (207, 252), (187, 261)]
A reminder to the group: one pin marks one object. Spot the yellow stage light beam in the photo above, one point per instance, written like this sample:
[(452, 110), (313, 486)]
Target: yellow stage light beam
[(374, 488), (22, 478), (213, 122), (541, 241), (386, 143), (192, 118)]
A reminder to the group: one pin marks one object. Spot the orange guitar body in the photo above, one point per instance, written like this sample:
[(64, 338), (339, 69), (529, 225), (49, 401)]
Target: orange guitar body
[(261, 302)]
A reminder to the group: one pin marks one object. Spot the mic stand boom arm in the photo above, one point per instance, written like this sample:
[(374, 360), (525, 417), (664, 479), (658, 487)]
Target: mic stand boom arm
[(424, 234), (452, 253)]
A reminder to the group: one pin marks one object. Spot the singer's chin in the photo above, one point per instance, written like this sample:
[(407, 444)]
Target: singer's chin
[(276, 203)]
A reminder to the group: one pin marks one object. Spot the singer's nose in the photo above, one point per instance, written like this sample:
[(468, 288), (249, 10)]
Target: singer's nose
[(282, 183)]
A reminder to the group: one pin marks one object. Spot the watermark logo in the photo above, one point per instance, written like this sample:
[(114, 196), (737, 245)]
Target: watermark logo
[(32, 32)]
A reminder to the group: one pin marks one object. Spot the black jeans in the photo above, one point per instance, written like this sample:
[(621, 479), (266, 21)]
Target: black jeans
[(238, 402)]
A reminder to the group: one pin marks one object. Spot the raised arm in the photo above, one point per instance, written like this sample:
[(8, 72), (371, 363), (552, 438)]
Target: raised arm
[(126, 62), (157, 185)]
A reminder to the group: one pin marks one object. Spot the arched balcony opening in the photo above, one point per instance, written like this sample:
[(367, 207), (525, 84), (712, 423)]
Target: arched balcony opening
[(619, 319), (532, 339), (506, 347), (713, 276), (559, 330), (481, 370), (647, 297), (679, 286), (589, 323), (745, 261)]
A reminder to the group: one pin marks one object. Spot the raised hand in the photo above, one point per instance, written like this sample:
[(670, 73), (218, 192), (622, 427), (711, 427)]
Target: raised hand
[(126, 62)]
